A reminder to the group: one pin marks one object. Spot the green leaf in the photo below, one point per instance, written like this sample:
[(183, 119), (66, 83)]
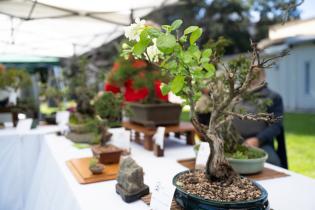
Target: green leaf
[(194, 50), (165, 89), (207, 53), (177, 84), (183, 39), (138, 48), (187, 57), (176, 24), (204, 60), (144, 36), (166, 43), (210, 68), (166, 28), (171, 65), (154, 32), (195, 35), (190, 29), (143, 43)]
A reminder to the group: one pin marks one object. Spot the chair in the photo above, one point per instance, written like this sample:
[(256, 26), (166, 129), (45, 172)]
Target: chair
[(281, 149)]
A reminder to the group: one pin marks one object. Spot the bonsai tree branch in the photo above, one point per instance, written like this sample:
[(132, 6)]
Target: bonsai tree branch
[(269, 118)]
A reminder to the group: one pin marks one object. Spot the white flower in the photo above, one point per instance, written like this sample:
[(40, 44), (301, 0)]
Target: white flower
[(133, 31), (153, 52)]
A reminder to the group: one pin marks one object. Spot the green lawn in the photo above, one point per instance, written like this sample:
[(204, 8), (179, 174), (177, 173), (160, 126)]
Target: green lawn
[(300, 140)]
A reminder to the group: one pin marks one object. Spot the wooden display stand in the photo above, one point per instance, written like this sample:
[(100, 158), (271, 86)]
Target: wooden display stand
[(183, 128), (80, 170)]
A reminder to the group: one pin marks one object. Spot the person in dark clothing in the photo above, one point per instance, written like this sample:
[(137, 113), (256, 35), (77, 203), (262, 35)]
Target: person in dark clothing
[(258, 133)]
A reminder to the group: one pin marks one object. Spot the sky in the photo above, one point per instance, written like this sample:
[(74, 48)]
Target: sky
[(308, 9)]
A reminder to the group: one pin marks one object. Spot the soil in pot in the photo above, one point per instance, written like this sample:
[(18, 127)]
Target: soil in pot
[(108, 154), (195, 192), (240, 189)]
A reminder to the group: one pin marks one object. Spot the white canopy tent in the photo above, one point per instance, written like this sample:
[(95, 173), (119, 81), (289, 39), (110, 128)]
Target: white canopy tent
[(61, 28)]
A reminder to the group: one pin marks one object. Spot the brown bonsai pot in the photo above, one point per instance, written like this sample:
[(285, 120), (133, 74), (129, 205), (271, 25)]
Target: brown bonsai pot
[(108, 154), (153, 115)]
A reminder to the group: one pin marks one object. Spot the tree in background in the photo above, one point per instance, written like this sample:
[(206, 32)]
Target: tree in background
[(236, 20)]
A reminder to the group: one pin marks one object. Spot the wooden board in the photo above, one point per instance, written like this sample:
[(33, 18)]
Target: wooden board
[(267, 173), (80, 170), (182, 127)]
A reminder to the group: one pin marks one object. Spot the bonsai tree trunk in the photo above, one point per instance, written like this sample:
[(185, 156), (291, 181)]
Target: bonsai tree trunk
[(217, 167)]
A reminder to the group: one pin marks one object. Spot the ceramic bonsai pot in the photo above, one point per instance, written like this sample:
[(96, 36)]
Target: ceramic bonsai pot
[(97, 169), (152, 115), (248, 166), (78, 128), (192, 202), (108, 154)]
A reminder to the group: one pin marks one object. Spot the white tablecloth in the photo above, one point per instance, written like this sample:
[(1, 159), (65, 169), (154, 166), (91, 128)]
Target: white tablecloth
[(19, 152), (54, 187)]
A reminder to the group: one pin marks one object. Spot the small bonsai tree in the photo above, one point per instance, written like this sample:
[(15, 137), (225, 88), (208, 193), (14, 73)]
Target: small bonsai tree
[(108, 110), (179, 56), (109, 106)]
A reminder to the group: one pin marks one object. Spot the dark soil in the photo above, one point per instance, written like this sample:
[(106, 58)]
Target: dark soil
[(238, 189)]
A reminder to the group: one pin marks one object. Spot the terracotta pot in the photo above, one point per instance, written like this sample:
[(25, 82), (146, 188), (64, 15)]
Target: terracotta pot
[(109, 154), (152, 115)]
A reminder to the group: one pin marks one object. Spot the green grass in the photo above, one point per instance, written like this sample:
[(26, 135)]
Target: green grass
[(300, 140)]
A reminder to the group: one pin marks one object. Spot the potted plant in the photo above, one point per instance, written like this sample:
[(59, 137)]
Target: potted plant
[(108, 113), (83, 125), (95, 167), (56, 96), (218, 186), (142, 82), (11, 82)]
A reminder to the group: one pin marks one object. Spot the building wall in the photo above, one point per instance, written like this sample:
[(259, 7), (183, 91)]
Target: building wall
[(294, 78)]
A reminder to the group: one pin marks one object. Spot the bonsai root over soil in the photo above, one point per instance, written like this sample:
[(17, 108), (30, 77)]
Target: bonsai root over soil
[(236, 189)]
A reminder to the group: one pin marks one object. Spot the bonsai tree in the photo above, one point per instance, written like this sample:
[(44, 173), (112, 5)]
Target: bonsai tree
[(108, 110), (179, 56), (55, 94), (81, 89), (138, 75), (13, 80), (109, 106)]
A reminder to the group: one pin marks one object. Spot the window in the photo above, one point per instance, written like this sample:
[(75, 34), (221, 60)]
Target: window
[(307, 87)]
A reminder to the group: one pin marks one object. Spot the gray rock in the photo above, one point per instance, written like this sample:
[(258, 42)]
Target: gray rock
[(130, 176)]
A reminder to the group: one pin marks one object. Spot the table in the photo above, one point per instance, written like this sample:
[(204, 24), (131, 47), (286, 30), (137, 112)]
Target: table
[(54, 187), (19, 152), (184, 127)]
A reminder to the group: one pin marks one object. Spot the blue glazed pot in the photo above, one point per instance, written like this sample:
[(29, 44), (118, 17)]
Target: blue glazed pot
[(193, 202)]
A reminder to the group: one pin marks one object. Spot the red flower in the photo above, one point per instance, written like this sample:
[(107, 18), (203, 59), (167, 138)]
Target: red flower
[(139, 64)]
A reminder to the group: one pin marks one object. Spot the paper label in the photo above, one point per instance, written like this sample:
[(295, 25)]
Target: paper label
[(162, 196), (121, 138), (159, 136), (202, 155), (24, 125), (62, 118)]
